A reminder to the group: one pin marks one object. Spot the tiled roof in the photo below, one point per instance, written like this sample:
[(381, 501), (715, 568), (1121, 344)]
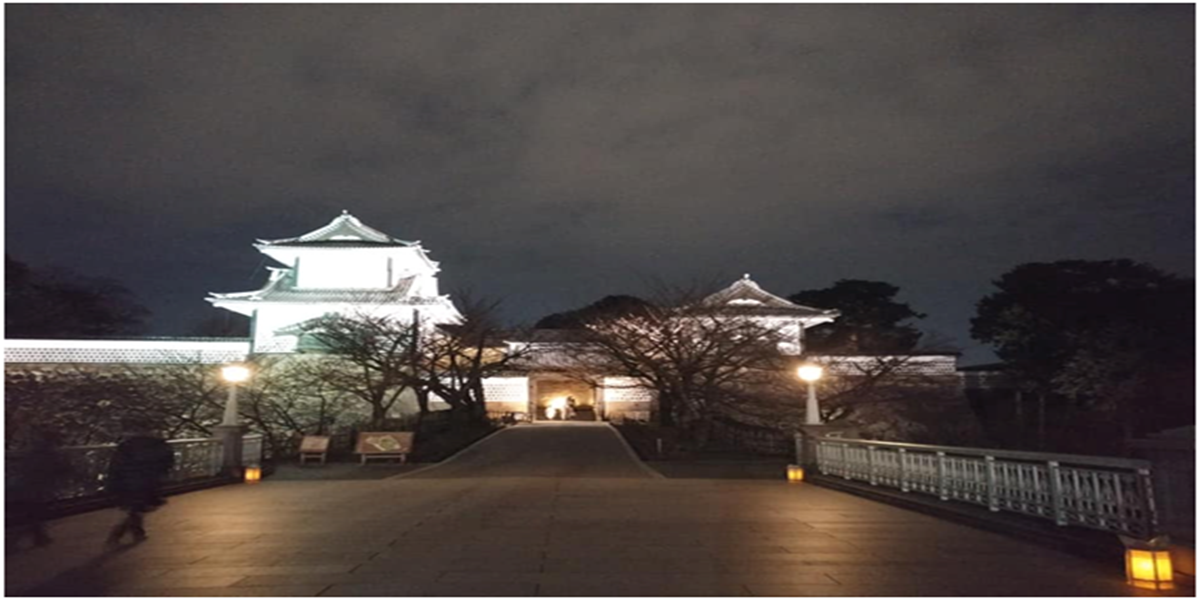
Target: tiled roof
[(746, 297), (350, 296), (858, 364), (344, 231), (281, 289), (548, 336), (138, 351)]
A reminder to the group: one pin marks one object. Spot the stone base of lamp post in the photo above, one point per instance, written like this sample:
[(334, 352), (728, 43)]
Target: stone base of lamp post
[(231, 445), (806, 442)]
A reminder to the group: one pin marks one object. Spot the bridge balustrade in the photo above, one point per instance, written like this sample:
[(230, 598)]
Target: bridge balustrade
[(1109, 494), (195, 459)]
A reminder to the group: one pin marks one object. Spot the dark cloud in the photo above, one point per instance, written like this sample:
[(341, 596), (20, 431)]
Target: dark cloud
[(554, 154)]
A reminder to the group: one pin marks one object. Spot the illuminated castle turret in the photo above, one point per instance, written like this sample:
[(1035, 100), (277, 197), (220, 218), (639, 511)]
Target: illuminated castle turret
[(344, 268)]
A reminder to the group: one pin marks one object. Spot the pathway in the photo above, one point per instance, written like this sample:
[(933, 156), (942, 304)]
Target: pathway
[(552, 510)]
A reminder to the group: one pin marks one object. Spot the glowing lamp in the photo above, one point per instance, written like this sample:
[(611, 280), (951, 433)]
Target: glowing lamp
[(1148, 564), (235, 373), (253, 474), (810, 373), (795, 473)]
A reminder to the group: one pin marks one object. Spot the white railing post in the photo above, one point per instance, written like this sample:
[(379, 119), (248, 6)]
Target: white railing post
[(871, 466), (1119, 497), (216, 453), (231, 447), (1056, 494), (1149, 515), (993, 501), (943, 493)]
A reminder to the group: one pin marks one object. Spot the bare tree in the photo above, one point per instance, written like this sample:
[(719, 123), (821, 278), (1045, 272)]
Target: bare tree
[(187, 396), (371, 359), (456, 359), (707, 364), (290, 397), (89, 404), (900, 397), (694, 357), (382, 357)]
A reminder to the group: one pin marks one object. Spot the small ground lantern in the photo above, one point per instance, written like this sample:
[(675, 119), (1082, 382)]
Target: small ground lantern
[(795, 473), (253, 474), (1148, 563)]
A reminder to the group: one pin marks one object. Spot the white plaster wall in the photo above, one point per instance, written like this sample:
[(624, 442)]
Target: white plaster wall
[(425, 286), (407, 404), (273, 317), (356, 268), (342, 270)]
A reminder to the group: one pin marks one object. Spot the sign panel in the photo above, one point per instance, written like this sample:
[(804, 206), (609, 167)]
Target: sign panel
[(314, 444), (387, 442)]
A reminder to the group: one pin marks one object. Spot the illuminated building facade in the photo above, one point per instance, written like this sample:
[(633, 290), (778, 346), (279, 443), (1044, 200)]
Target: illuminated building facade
[(344, 268), (348, 268)]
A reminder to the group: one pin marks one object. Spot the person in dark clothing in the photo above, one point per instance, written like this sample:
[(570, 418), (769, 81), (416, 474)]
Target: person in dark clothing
[(135, 476), (35, 482)]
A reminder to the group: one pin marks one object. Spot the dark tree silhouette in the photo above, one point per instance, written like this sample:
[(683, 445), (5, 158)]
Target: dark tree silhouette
[(606, 307), (61, 304), (1114, 336), (871, 321), (223, 324)]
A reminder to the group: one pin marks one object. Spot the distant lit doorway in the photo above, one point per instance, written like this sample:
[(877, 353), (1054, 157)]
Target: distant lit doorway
[(564, 400)]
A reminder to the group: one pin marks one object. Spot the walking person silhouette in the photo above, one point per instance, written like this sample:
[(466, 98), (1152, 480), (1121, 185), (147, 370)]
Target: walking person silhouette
[(36, 478), (135, 476)]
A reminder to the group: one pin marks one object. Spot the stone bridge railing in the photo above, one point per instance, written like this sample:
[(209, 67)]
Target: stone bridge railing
[(1109, 494), (87, 466)]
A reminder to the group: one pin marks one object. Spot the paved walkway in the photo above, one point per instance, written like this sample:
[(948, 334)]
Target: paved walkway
[(545, 510), (566, 450)]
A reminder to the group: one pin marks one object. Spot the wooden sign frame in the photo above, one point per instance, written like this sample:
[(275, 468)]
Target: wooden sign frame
[(384, 444), (314, 447)]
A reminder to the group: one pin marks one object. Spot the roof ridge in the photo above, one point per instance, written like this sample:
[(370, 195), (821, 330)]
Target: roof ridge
[(747, 293), (344, 227)]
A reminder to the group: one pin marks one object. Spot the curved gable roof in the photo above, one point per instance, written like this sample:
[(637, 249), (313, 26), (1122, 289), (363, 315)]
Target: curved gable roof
[(345, 229), (746, 296)]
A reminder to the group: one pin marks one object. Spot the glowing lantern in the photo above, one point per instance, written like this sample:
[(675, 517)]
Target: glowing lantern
[(253, 474), (809, 372), (812, 410), (1148, 564), (235, 373), (795, 473)]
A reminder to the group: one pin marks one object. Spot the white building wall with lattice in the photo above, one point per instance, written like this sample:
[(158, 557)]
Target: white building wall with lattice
[(626, 399), (506, 394), (147, 351)]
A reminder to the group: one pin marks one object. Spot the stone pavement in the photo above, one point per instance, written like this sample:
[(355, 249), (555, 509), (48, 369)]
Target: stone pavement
[(577, 516)]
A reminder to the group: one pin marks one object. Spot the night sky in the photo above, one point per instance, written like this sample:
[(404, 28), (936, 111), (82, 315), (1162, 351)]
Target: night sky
[(550, 155)]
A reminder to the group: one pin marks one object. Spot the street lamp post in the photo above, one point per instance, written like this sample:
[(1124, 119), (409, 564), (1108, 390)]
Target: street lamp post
[(812, 411), (233, 374), (230, 431), (806, 439)]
